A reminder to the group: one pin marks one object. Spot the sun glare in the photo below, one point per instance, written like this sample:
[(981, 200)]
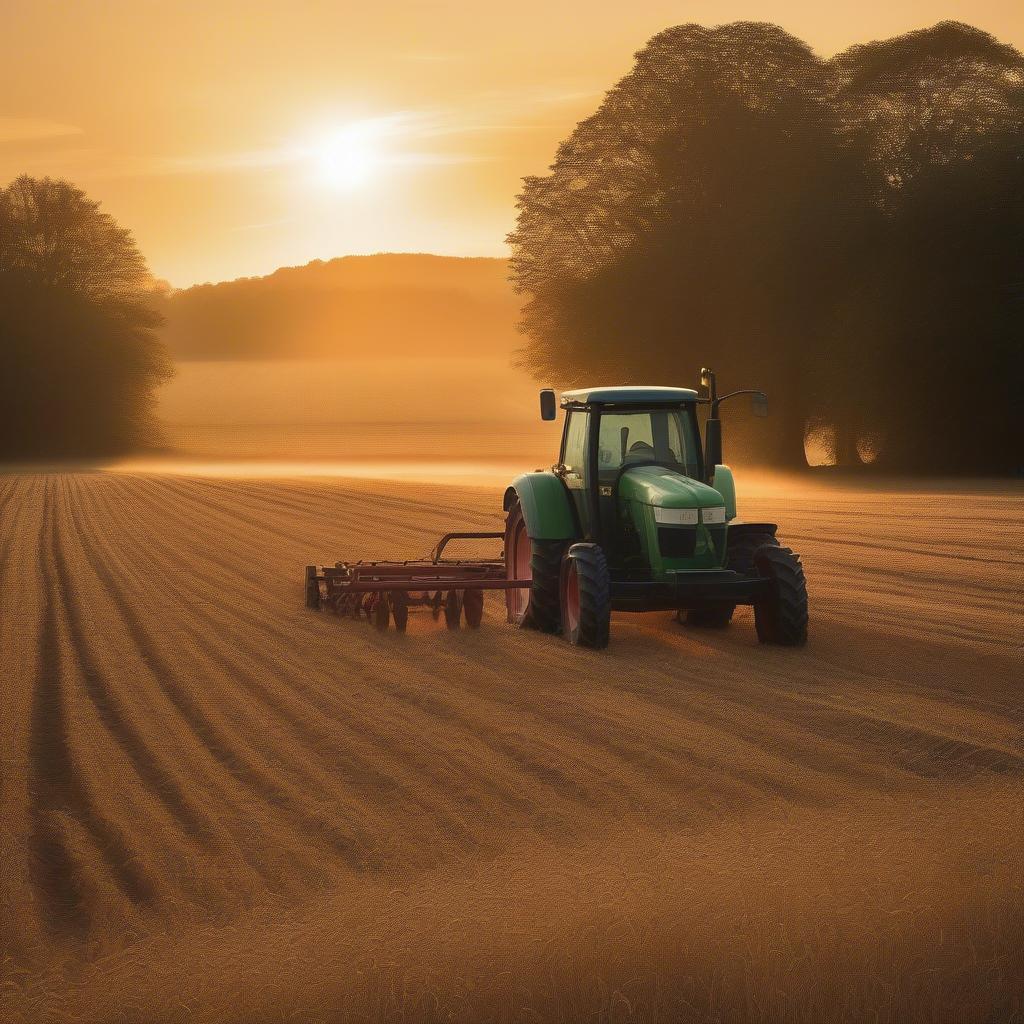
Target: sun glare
[(348, 157)]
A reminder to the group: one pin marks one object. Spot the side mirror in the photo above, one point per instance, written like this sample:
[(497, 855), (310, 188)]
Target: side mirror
[(548, 406), (759, 403)]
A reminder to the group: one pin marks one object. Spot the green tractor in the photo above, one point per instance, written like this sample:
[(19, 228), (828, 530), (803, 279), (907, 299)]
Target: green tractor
[(639, 516), (636, 516)]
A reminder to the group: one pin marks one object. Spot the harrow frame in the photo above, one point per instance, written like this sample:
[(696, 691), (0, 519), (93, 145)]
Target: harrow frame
[(384, 591)]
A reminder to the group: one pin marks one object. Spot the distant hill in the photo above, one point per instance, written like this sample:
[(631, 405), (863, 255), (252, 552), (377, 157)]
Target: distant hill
[(392, 304)]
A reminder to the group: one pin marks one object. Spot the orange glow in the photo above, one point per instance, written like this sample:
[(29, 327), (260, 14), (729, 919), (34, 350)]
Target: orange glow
[(235, 139)]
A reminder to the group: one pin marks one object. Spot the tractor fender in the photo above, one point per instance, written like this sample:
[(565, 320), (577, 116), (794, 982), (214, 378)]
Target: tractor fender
[(547, 507)]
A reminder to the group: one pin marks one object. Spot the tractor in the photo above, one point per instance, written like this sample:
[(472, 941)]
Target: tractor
[(636, 516)]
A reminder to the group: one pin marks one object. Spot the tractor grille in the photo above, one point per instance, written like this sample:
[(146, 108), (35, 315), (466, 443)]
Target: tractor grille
[(677, 541)]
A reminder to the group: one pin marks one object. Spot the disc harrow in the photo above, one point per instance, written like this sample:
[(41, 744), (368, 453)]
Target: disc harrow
[(384, 592)]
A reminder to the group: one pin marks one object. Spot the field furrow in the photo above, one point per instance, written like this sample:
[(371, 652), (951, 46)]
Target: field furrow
[(188, 751)]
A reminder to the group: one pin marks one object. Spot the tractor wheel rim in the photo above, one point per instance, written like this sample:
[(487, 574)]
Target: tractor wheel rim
[(572, 599), (521, 568)]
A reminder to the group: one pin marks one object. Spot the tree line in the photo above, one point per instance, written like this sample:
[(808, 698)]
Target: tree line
[(80, 357), (847, 234)]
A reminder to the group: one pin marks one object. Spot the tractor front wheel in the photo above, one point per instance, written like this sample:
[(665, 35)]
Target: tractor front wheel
[(740, 559), (586, 596), (744, 547), (540, 561), (782, 617)]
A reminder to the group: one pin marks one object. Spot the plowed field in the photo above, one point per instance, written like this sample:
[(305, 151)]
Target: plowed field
[(217, 805)]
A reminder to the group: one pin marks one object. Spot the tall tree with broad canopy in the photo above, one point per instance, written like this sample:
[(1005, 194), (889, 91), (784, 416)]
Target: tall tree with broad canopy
[(738, 202), (80, 357), (939, 116)]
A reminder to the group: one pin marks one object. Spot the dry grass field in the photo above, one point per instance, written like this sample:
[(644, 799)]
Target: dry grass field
[(219, 806)]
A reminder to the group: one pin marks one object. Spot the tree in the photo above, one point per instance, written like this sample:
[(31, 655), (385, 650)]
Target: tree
[(79, 354), (939, 117), (928, 98), (845, 234), (693, 219)]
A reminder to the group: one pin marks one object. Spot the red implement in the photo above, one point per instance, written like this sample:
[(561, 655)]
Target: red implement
[(385, 591)]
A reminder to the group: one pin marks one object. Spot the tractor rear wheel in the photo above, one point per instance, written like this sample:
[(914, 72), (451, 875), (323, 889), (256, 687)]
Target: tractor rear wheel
[(540, 561), (781, 618), (586, 596)]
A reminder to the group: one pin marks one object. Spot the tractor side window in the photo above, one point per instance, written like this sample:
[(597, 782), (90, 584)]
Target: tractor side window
[(677, 443), (575, 456), (683, 444)]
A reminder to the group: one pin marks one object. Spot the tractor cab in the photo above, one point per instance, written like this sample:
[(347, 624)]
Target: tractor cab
[(628, 448)]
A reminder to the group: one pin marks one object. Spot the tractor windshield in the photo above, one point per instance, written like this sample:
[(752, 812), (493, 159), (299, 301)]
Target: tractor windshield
[(663, 436)]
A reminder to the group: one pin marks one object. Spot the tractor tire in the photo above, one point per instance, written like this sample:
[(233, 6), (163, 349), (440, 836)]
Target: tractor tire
[(782, 618), (473, 606), (453, 610), (381, 613), (586, 598), (312, 589), (400, 611), (740, 559), (540, 561), (741, 554)]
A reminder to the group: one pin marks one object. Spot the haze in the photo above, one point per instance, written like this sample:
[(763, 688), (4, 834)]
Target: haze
[(239, 138)]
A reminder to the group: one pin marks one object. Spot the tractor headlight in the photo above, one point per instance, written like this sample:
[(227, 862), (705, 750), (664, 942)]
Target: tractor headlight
[(713, 516), (676, 516)]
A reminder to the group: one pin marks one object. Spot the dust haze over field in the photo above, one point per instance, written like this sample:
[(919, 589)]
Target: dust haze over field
[(218, 805), (394, 364)]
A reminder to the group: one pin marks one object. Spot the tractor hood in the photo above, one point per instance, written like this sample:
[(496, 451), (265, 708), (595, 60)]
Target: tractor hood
[(664, 488)]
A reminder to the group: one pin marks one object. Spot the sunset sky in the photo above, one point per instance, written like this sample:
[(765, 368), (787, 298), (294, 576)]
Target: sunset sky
[(236, 137)]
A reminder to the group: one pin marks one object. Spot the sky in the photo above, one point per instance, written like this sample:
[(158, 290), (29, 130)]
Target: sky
[(237, 137)]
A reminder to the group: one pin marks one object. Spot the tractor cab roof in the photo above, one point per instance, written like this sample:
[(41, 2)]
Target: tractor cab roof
[(629, 394)]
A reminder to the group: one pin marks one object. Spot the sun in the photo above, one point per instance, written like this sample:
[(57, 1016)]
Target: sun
[(348, 157)]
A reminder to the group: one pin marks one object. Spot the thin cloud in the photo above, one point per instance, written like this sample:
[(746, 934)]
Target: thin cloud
[(262, 225), (395, 137), (257, 159), (403, 138), (431, 58), (31, 129), (502, 111)]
